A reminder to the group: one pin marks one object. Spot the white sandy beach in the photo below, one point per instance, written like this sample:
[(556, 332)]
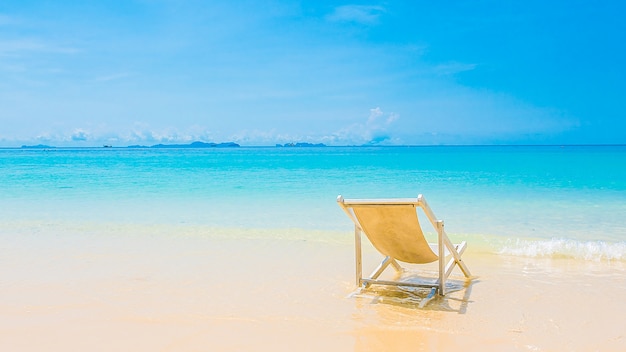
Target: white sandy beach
[(194, 293)]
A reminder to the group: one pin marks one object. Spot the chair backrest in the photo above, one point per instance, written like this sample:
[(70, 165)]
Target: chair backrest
[(395, 231)]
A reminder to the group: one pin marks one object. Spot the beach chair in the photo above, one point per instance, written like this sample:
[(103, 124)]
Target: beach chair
[(393, 228)]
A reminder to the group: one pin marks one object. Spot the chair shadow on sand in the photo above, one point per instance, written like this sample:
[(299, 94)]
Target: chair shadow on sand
[(456, 300)]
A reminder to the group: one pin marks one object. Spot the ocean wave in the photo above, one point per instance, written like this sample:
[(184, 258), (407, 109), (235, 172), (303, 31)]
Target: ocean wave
[(566, 248)]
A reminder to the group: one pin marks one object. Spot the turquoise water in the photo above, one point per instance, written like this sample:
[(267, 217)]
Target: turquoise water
[(531, 201)]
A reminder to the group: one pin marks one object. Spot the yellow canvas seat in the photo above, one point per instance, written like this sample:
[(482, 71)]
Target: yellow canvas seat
[(393, 228)]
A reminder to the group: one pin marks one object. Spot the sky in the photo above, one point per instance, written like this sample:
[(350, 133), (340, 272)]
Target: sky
[(128, 72)]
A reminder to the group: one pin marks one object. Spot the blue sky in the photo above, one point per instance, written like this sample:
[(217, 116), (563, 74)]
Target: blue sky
[(264, 72)]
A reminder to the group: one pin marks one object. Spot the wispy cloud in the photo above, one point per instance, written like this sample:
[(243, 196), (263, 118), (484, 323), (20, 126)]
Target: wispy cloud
[(363, 14), (30, 45), (112, 77), (20, 45), (451, 68)]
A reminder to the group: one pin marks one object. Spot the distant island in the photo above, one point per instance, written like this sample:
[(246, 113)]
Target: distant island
[(191, 145), (38, 146), (300, 145)]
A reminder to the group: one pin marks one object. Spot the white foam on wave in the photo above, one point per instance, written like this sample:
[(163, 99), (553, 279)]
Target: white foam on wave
[(566, 248)]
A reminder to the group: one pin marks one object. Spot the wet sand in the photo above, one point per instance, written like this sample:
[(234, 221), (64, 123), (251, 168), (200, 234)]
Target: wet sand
[(91, 292)]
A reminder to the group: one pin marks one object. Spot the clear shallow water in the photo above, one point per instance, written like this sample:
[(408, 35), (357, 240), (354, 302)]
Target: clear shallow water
[(530, 201)]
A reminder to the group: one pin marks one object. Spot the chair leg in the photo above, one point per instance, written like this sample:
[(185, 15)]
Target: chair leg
[(442, 277), (442, 269), (358, 256), (457, 252), (381, 267), (396, 266), (428, 298)]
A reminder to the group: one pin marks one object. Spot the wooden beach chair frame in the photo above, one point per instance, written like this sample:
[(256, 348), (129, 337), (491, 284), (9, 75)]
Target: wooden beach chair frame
[(394, 224)]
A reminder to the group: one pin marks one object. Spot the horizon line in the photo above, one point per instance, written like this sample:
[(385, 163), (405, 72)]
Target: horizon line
[(317, 145)]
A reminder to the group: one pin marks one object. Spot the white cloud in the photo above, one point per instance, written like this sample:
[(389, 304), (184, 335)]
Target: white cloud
[(377, 119), (163, 136), (374, 114), (80, 135), (260, 137), (375, 130), (362, 14)]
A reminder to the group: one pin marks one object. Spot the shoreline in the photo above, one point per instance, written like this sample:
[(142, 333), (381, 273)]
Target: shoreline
[(584, 250)]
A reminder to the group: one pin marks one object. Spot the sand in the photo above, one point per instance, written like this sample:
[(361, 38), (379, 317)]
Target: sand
[(192, 293)]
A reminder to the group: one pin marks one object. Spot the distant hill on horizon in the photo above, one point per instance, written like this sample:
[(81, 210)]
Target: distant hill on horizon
[(191, 145), (38, 146), (301, 144)]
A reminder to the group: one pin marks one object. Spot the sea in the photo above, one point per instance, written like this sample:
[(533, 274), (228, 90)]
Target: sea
[(526, 201)]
